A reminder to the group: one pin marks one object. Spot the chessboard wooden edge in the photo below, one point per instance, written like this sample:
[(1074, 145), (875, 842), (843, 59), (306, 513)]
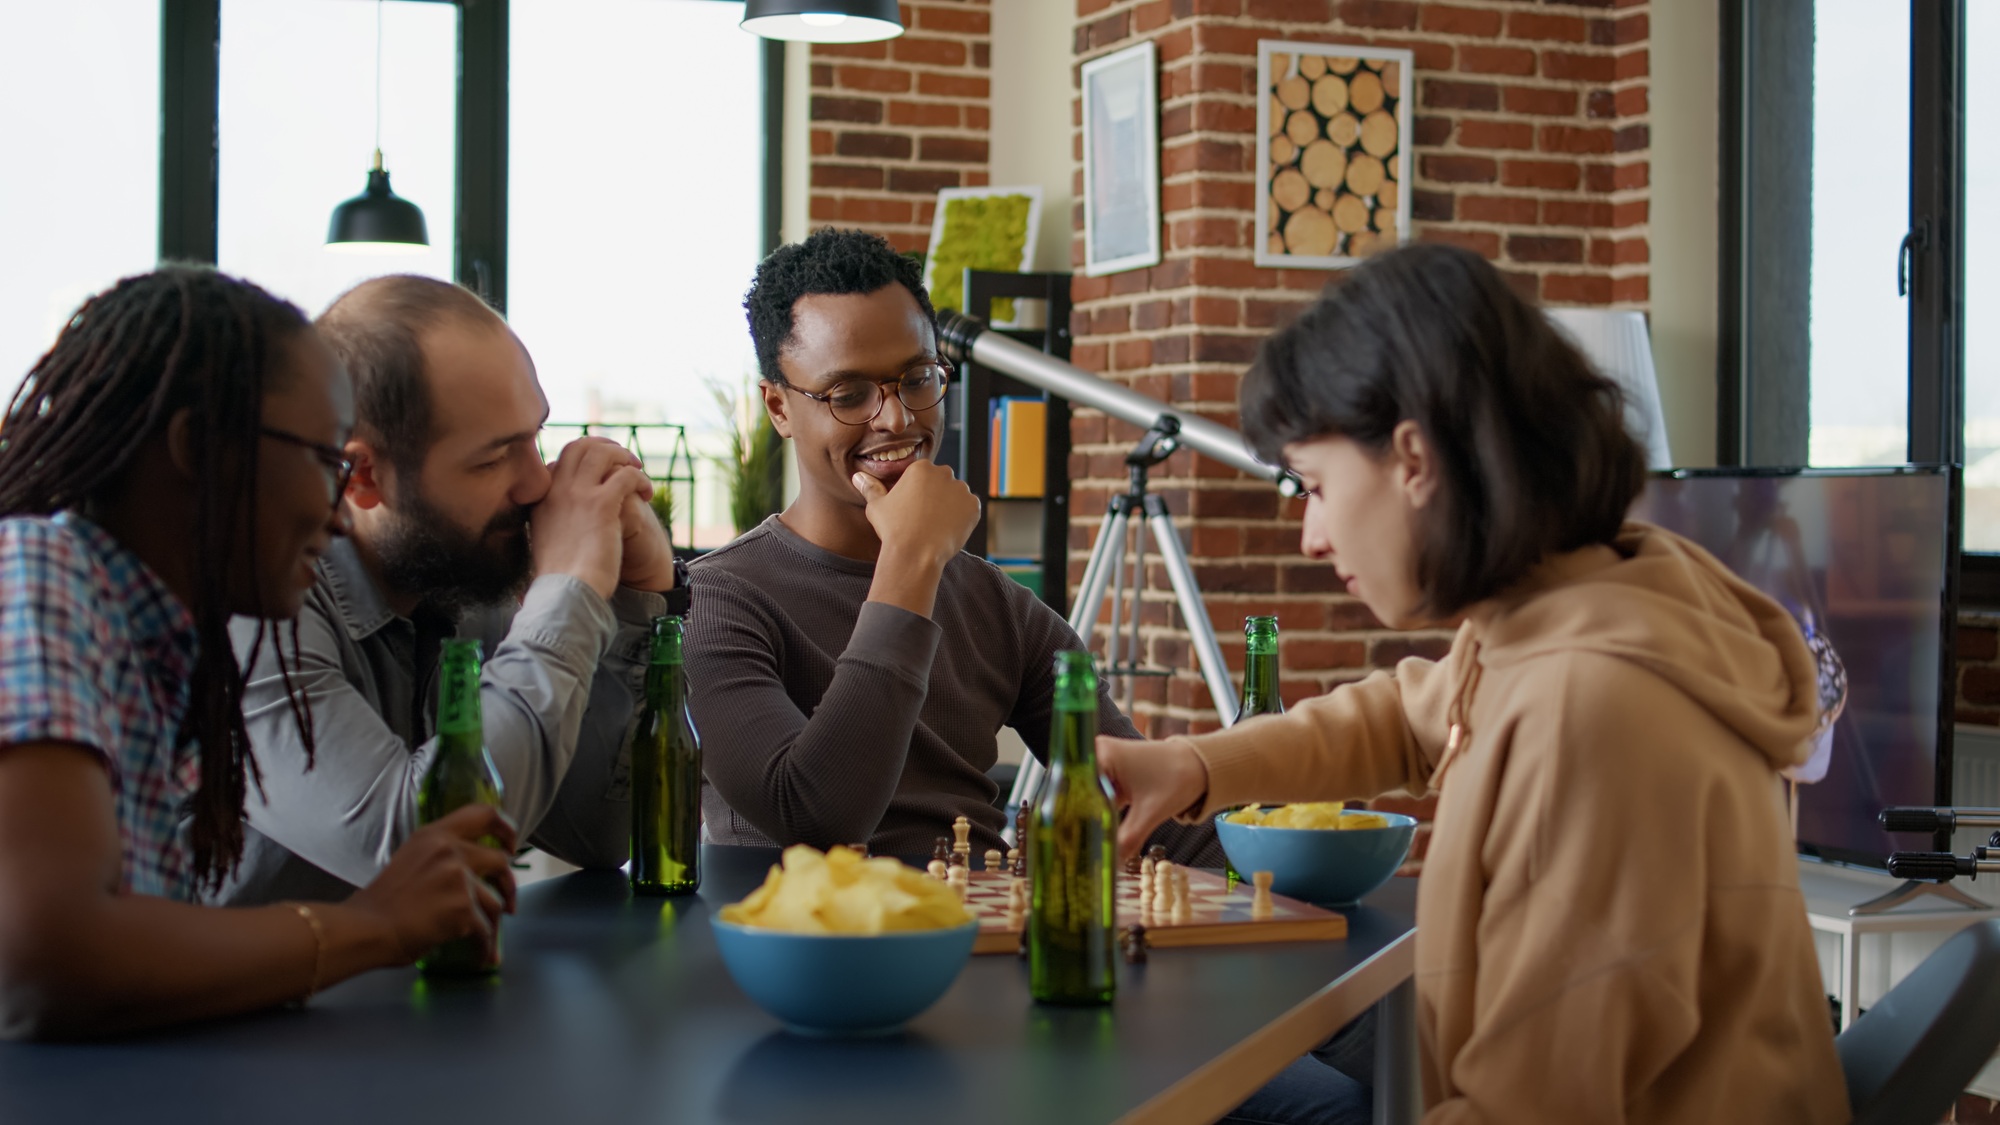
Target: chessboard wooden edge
[(1204, 934)]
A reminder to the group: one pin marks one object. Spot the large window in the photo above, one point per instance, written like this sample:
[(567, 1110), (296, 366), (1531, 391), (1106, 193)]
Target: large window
[(297, 120), (1982, 279), (1861, 157), (79, 122), (635, 212), (1859, 339)]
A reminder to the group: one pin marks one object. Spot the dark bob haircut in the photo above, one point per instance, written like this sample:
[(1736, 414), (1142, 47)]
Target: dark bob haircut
[(831, 262), (1531, 446)]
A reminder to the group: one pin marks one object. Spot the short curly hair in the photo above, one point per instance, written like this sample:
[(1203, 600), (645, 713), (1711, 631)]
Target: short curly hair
[(829, 261)]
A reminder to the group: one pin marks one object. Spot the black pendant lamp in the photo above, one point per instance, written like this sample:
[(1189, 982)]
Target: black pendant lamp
[(378, 221), (823, 21)]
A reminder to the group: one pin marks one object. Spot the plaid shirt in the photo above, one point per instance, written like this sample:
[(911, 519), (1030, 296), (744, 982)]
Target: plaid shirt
[(95, 650)]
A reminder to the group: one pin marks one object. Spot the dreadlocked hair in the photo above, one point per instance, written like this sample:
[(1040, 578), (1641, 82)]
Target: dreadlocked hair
[(179, 338)]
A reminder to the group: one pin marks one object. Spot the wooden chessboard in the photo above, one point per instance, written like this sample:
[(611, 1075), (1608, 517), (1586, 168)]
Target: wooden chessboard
[(1221, 915)]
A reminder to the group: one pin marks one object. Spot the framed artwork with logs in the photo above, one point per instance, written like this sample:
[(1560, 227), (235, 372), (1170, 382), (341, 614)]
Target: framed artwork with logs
[(1333, 124)]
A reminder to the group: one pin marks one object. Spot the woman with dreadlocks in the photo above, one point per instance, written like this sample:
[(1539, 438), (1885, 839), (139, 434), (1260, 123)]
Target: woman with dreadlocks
[(175, 459)]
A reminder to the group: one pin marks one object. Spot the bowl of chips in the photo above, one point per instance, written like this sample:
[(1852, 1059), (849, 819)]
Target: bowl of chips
[(1317, 852), (834, 944)]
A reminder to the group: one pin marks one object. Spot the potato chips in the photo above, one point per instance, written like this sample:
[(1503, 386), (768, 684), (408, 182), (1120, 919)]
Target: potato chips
[(841, 893), (1318, 814)]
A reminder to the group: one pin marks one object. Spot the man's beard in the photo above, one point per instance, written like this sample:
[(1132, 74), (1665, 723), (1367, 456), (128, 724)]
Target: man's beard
[(424, 553)]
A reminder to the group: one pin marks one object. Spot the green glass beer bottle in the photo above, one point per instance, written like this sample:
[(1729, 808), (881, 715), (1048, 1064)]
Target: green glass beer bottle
[(666, 776), (461, 774), (1071, 840), (1260, 669)]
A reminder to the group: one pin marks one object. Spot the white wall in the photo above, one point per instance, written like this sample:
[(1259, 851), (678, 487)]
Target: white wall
[(1031, 113), (1686, 53), (796, 190)]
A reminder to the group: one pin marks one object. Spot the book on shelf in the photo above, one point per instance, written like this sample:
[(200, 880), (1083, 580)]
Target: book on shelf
[(1018, 428)]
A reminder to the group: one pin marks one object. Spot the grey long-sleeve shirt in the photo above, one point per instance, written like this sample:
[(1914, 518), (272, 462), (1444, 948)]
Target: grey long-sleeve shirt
[(562, 678), (829, 719)]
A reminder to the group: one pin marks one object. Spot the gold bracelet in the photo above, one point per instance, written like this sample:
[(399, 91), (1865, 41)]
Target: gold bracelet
[(319, 945)]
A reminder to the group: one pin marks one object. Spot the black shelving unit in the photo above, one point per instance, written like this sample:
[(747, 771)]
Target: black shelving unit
[(967, 443)]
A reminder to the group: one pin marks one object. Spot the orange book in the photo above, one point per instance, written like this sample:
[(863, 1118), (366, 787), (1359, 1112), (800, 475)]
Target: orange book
[(1026, 434)]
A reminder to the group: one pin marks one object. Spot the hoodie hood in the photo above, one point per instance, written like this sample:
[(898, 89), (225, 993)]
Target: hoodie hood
[(1669, 606)]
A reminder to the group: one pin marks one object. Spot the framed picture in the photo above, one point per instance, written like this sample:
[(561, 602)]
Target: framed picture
[(981, 228), (1121, 161), (1333, 123)]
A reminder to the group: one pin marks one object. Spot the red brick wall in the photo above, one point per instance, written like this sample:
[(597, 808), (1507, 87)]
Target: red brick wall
[(1531, 143), (893, 122), (1979, 668)]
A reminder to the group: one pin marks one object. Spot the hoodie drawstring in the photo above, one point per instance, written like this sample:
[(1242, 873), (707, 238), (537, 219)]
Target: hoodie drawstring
[(1459, 715)]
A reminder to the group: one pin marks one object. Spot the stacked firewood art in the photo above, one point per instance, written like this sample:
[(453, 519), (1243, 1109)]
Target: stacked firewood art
[(1332, 165)]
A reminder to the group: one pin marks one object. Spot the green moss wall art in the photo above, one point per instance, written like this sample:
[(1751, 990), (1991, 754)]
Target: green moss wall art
[(984, 229)]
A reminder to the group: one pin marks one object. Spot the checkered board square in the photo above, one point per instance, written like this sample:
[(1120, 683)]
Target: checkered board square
[(1220, 915)]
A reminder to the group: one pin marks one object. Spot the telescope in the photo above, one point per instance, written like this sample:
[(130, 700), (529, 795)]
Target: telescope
[(966, 337), (1166, 430)]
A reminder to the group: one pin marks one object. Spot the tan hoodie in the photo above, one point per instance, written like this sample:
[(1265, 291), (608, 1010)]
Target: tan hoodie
[(1610, 924)]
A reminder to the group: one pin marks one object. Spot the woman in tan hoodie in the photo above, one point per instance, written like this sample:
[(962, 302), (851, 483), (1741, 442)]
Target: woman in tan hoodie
[(1611, 928)]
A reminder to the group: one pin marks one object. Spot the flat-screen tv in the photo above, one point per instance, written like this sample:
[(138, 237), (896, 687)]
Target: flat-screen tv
[(1867, 561)]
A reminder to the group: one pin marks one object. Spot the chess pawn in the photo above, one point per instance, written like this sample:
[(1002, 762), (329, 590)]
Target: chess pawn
[(1163, 887), (939, 869), (1017, 898), (1183, 902), (1146, 883), (959, 879), (994, 859), (1016, 866), (1261, 906)]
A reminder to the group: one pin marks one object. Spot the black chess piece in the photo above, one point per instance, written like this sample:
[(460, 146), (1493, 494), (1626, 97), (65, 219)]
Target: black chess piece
[(941, 851), (1132, 941)]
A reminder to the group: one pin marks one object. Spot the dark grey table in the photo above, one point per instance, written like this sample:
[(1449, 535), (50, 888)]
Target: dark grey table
[(613, 1009)]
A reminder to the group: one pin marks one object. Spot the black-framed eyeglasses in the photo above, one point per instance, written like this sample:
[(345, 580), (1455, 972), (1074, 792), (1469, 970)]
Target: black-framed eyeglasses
[(335, 460), (857, 402)]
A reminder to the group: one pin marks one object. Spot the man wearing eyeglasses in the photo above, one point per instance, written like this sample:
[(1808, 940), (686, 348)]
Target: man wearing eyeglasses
[(457, 528), (850, 666)]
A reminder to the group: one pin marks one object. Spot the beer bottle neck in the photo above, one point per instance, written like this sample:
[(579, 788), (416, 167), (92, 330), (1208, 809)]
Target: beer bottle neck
[(459, 716), (1260, 677), (1075, 742), (665, 683)]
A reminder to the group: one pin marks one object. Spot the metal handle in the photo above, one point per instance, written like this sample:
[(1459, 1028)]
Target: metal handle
[(1913, 820), (1940, 819), (1932, 866), (1919, 238)]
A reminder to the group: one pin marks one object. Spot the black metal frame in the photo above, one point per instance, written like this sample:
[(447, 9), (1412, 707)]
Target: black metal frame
[(190, 77), (967, 442), (1935, 247), (190, 38)]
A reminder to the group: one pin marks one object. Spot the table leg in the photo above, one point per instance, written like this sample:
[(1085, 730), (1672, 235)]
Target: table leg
[(1399, 1098), (1850, 978)]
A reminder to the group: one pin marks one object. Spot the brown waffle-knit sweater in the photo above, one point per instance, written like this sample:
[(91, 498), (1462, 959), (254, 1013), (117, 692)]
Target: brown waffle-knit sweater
[(829, 719)]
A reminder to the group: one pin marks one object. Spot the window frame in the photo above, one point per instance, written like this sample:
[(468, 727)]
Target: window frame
[(1757, 415), (190, 95)]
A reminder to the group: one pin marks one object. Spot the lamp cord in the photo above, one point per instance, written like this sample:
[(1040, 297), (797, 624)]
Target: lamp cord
[(378, 79)]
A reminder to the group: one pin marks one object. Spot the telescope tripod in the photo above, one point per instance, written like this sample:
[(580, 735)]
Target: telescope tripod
[(1106, 569)]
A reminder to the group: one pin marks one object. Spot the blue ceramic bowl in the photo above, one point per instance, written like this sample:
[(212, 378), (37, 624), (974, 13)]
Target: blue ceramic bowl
[(1332, 866), (840, 984)]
